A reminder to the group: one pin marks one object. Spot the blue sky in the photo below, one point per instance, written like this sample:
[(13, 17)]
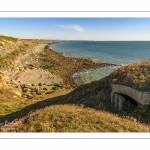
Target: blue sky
[(101, 29)]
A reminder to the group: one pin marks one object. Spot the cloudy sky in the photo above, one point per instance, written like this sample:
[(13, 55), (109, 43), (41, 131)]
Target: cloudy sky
[(100, 29)]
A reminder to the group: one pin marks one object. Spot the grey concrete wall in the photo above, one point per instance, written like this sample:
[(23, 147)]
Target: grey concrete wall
[(139, 96), (117, 100)]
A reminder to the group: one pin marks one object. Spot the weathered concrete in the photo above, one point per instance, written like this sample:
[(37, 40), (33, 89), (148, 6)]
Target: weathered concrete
[(140, 97), (117, 100)]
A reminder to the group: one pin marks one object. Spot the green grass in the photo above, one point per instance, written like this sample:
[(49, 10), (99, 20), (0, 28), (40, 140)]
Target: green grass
[(9, 38), (7, 60), (57, 86), (10, 104), (65, 117), (72, 117), (1, 44), (75, 118), (40, 84), (134, 75), (134, 111)]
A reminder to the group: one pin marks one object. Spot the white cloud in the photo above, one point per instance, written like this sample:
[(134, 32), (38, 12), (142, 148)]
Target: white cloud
[(73, 27)]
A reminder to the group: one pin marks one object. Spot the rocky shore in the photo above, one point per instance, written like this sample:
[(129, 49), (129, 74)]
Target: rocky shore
[(66, 67), (29, 67)]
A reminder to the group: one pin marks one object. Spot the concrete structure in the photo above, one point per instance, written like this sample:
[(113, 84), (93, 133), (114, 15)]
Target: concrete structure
[(142, 98)]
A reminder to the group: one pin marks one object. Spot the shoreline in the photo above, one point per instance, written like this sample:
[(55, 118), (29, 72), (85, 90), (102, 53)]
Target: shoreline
[(66, 67), (93, 59), (79, 75)]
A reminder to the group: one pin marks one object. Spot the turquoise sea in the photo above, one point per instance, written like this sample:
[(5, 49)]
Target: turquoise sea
[(116, 52)]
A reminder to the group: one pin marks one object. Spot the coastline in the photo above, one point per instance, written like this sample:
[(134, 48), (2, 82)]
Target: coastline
[(40, 77), (67, 67), (90, 75)]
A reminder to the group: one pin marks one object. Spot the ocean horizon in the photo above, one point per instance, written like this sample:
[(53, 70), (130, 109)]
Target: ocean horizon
[(115, 52)]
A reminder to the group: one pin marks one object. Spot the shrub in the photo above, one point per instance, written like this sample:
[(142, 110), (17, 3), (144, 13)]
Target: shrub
[(58, 85), (40, 84), (39, 92), (45, 89)]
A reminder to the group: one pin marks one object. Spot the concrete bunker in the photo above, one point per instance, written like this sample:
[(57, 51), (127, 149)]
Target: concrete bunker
[(130, 100), (121, 93), (119, 99)]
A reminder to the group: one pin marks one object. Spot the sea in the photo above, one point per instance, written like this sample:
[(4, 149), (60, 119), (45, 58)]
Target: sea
[(115, 52)]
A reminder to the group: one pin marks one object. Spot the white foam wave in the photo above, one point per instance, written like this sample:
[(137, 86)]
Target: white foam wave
[(124, 64), (94, 59)]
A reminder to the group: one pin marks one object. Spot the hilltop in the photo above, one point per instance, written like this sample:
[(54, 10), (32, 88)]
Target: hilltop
[(32, 76), (74, 118)]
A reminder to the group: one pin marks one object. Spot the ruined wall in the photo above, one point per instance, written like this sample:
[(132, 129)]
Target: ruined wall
[(139, 96)]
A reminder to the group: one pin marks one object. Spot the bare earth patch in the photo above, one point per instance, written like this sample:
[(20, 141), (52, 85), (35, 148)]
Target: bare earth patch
[(36, 82), (35, 76)]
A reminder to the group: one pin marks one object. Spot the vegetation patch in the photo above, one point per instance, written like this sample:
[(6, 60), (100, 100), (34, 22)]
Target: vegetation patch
[(40, 84), (7, 60), (136, 75), (74, 118), (77, 111), (9, 38)]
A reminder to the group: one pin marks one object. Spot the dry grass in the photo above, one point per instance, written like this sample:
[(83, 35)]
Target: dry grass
[(136, 75), (8, 38), (10, 103), (97, 94), (74, 118)]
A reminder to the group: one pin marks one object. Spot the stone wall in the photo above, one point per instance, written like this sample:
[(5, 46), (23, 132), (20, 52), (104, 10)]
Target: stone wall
[(140, 97)]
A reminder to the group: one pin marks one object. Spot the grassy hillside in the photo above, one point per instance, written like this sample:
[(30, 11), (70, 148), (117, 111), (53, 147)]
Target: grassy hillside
[(74, 118), (97, 94), (136, 75), (86, 108), (8, 38)]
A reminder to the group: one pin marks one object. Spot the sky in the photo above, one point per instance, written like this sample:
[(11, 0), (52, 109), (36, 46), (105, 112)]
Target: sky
[(98, 29)]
